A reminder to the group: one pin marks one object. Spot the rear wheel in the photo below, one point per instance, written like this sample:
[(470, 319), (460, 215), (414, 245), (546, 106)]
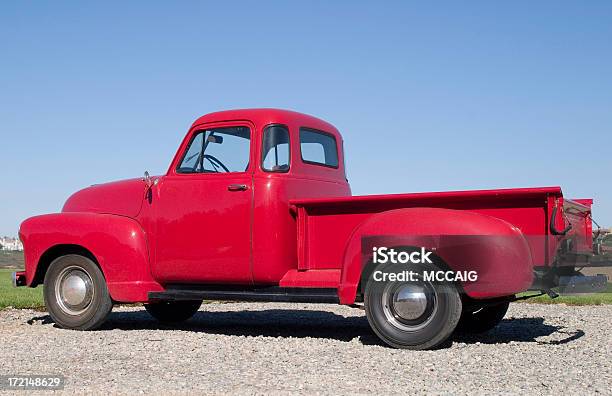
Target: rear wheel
[(75, 293), (173, 311), (483, 319), (415, 314)]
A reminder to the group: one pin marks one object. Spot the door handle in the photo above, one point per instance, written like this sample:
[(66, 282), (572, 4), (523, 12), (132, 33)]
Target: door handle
[(237, 187)]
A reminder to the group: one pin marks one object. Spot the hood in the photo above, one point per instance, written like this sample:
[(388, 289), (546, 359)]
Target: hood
[(122, 197)]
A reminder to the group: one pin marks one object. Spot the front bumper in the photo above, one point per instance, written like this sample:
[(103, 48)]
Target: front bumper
[(19, 279)]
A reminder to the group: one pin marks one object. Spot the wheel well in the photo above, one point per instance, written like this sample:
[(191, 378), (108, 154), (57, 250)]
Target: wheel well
[(57, 251)]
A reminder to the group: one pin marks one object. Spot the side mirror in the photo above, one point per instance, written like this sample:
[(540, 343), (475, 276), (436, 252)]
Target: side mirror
[(147, 179)]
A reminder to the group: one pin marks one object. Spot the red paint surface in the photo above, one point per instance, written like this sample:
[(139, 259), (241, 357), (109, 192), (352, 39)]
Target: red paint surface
[(296, 229)]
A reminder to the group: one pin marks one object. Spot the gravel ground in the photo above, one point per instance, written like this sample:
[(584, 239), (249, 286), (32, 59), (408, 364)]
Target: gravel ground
[(310, 349)]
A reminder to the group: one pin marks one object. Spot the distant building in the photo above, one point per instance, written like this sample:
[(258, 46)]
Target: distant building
[(8, 243)]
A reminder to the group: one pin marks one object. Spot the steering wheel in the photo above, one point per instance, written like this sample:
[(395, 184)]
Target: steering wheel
[(215, 162)]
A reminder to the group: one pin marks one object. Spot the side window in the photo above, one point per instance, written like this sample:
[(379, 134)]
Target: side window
[(275, 149), (217, 150), (318, 148)]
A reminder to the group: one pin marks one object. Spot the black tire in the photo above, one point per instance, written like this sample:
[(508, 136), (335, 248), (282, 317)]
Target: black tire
[(482, 320), (69, 278), (436, 323), (173, 311)]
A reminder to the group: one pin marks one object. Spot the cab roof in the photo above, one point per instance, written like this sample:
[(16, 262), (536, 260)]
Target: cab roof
[(264, 116)]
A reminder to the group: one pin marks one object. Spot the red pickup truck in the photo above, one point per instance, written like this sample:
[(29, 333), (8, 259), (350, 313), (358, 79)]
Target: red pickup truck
[(256, 206)]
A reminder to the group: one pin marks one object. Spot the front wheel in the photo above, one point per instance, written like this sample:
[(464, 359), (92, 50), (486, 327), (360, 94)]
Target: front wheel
[(75, 293), (173, 311), (412, 315)]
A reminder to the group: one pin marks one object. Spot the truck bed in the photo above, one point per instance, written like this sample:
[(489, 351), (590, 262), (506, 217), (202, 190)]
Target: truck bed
[(325, 224)]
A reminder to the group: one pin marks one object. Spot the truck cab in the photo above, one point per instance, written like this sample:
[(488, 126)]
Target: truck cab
[(234, 180)]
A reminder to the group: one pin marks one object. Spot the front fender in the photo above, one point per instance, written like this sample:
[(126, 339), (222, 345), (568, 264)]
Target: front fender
[(118, 243), (464, 240)]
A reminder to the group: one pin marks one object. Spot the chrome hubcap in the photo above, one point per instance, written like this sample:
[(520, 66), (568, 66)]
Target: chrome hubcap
[(410, 301), (74, 290), (409, 306)]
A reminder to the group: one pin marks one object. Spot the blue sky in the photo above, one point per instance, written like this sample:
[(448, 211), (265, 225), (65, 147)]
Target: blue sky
[(429, 97)]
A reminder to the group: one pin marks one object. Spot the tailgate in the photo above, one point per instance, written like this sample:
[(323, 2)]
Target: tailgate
[(577, 213)]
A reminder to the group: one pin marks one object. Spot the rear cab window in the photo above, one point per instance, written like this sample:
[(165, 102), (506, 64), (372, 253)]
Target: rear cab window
[(318, 148), (276, 151)]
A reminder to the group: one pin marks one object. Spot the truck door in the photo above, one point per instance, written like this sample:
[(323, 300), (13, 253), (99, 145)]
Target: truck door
[(203, 209)]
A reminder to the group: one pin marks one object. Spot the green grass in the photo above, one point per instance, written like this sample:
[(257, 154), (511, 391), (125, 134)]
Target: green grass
[(18, 297), (603, 298)]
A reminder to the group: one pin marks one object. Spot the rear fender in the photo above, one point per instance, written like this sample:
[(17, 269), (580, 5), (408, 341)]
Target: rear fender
[(463, 240), (117, 243)]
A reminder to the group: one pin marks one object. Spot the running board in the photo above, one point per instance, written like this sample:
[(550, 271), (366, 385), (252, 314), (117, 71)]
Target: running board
[(265, 294)]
